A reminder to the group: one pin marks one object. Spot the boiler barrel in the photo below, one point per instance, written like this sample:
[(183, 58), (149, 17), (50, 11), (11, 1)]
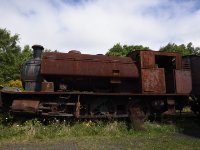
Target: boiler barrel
[(74, 64)]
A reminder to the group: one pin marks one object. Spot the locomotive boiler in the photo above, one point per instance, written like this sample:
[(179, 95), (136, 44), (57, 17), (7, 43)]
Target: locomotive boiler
[(99, 86)]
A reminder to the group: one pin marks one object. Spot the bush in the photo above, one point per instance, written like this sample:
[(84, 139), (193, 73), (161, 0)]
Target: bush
[(13, 83)]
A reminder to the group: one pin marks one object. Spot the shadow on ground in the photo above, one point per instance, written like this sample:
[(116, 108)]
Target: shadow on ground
[(188, 125)]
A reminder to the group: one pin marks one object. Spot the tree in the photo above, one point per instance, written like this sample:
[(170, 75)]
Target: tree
[(119, 50), (182, 49), (11, 56), (193, 50)]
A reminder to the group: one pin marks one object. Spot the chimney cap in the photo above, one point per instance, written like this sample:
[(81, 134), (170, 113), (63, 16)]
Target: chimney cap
[(37, 46)]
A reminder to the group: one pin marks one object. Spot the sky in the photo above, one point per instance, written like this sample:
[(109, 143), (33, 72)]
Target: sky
[(94, 26)]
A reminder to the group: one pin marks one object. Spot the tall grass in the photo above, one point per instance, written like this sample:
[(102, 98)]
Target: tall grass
[(33, 130), (32, 134)]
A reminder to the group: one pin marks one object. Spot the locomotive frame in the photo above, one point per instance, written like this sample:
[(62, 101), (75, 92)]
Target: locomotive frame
[(98, 86)]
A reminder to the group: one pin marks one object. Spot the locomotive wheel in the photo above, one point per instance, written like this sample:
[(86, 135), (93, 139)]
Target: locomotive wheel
[(106, 108)]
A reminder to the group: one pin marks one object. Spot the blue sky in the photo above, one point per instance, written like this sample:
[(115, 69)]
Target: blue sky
[(94, 26)]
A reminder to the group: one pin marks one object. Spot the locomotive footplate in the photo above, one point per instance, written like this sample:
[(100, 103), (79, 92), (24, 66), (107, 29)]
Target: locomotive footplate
[(85, 104), (94, 93)]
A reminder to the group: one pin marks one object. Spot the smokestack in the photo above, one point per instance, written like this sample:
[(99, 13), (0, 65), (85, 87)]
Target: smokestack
[(37, 51)]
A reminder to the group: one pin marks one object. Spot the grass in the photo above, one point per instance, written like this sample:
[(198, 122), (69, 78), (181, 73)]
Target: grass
[(99, 135), (33, 130)]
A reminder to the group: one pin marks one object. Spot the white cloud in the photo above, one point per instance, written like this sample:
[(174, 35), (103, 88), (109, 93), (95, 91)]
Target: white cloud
[(94, 26)]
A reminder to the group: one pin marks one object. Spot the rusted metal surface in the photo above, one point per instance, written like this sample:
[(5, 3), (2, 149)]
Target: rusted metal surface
[(74, 64), (9, 93), (193, 62), (170, 107), (78, 106), (183, 81), (170, 102), (147, 59), (162, 81), (153, 80), (25, 105), (47, 86)]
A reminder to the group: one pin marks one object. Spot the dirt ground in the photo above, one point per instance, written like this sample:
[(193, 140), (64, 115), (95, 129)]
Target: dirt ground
[(61, 145), (176, 141)]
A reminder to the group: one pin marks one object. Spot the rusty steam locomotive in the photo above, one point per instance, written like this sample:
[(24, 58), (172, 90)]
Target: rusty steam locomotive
[(98, 86)]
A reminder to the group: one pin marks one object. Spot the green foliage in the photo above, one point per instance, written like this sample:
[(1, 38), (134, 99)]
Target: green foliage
[(119, 50), (26, 54), (49, 50), (11, 56), (183, 49)]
